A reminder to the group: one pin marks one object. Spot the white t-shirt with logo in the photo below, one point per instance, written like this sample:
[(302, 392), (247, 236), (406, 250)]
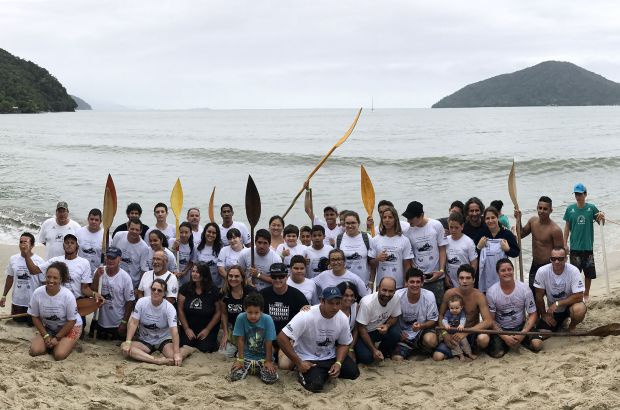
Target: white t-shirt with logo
[(372, 314), (79, 273), (24, 284), (315, 337), (510, 309), (398, 249), (133, 255), (185, 254), (147, 262), (559, 287), (90, 246), (245, 234), (425, 242), (169, 232), (54, 311), (330, 234), (263, 263), (458, 252), (315, 256), (327, 279), (52, 236), (155, 321), (116, 290), (228, 257), (296, 250), (308, 287), (356, 255), (149, 277), (422, 311)]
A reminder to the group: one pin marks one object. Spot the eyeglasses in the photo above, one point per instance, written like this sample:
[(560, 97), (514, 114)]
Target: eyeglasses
[(351, 223), (157, 290), (336, 260), (557, 258)]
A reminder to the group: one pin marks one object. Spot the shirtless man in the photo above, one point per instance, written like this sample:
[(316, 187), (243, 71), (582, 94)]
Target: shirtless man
[(546, 234), (475, 305)]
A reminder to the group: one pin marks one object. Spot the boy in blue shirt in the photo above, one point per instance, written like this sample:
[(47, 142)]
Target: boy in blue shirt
[(255, 332)]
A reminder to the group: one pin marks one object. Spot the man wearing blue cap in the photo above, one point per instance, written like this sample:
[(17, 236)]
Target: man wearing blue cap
[(580, 218), (321, 338)]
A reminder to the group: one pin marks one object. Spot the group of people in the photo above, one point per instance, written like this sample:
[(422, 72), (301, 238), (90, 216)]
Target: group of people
[(318, 300)]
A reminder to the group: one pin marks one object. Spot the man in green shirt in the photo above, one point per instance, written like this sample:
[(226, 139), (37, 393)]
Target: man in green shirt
[(580, 218)]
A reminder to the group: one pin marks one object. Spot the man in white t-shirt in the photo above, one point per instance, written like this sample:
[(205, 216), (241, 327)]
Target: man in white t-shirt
[(25, 282), (193, 217), (117, 290), (90, 239), (419, 316), (53, 231), (134, 249), (161, 215), (321, 339), (317, 254), (377, 321), (330, 221), (264, 257), (160, 271), (226, 212), (561, 284), (509, 301), (429, 248)]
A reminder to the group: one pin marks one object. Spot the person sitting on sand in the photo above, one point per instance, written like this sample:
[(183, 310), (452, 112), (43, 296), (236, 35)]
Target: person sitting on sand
[(508, 302), (454, 321), (377, 320), (561, 284), (54, 314), (475, 305), (321, 339), (155, 319), (255, 333)]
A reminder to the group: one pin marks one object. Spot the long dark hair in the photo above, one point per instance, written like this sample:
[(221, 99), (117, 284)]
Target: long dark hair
[(206, 281), (161, 236), (217, 243), (191, 238)]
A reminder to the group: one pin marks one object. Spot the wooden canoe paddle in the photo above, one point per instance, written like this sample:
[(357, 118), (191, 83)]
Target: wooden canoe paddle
[(176, 203), (85, 306), (368, 196), (211, 213), (512, 190), (252, 210), (336, 145), (611, 329)]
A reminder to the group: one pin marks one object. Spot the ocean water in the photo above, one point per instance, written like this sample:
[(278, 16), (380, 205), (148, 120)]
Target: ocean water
[(432, 156)]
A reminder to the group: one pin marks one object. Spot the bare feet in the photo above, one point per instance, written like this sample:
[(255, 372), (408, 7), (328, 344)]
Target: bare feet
[(397, 358), (586, 298), (472, 356), (461, 357)]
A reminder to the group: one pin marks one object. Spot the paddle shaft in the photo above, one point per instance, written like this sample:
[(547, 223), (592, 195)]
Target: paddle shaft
[(520, 249), (605, 257), (516, 333)]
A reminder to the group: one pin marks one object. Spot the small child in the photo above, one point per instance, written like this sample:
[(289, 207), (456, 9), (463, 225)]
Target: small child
[(290, 247), (454, 321), (255, 332)]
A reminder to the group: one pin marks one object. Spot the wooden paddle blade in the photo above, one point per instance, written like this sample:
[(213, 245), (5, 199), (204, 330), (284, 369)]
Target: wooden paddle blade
[(349, 131), (109, 203), (612, 329), (512, 186), (211, 214), (176, 199), (86, 306), (368, 195), (252, 203)]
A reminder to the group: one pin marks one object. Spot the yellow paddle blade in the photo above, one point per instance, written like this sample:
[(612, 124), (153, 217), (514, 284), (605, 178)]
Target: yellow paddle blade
[(211, 214), (176, 199), (368, 194), (109, 203), (512, 185), (349, 131)]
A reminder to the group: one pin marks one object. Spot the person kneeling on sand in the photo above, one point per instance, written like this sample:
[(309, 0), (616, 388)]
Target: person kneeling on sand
[(377, 321), (508, 302), (155, 319), (561, 284), (322, 338), (475, 306), (255, 333)]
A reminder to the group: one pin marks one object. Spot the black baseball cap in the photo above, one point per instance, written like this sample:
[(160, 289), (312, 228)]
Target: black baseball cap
[(414, 209), (278, 269)]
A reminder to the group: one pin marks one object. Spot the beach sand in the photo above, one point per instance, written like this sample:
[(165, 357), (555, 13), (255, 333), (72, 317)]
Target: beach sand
[(578, 372)]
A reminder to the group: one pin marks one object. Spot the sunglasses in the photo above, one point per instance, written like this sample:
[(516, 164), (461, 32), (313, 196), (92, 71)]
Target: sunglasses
[(157, 290), (277, 277), (557, 258)]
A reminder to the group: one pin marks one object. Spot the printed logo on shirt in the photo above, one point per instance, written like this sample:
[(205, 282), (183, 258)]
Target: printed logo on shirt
[(196, 304), (454, 261), (152, 326), (89, 251), (53, 317), (107, 296), (426, 247), (354, 257), (325, 342), (23, 277), (278, 311), (390, 258), (289, 327)]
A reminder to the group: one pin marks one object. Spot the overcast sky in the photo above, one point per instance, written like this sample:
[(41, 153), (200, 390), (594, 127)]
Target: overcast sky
[(293, 54)]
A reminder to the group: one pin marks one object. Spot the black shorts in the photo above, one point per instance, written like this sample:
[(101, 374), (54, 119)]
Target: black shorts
[(153, 348), (584, 261), (406, 349), (559, 317), (533, 269), (497, 347), (108, 333)]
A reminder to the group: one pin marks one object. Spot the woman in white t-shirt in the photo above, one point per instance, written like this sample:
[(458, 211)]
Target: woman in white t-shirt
[(229, 255), (155, 319), (208, 250), (348, 306), (276, 227), (158, 242), (185, 247), (354, 246), (54, 314)]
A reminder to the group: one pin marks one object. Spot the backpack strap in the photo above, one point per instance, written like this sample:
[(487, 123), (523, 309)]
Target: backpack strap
[(339, 240)]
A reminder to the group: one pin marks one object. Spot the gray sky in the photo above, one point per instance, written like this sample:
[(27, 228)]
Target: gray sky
[(292, 54)]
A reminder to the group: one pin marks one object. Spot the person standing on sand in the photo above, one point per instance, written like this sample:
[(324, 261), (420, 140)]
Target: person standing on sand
[(329, 221), (264, 257), (134, 250), (90, 238), (25, 282), (161, 215), (509, 301), (134, 211), (321, 339), (580, 218), (475, 306), (474, 226), (226, 212), (545, 235), (338, 273), (193, 217), (383, 205), (53, 231), (561, 283)]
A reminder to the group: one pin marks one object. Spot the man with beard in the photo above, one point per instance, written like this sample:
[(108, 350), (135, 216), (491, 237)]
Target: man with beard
[(159, 271), (474, 226), (53, 231), (546, 234), (377, 319)]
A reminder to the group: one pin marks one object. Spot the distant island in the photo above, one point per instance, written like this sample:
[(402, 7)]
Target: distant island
[(81, 104), (27, 88), (548, 83)]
